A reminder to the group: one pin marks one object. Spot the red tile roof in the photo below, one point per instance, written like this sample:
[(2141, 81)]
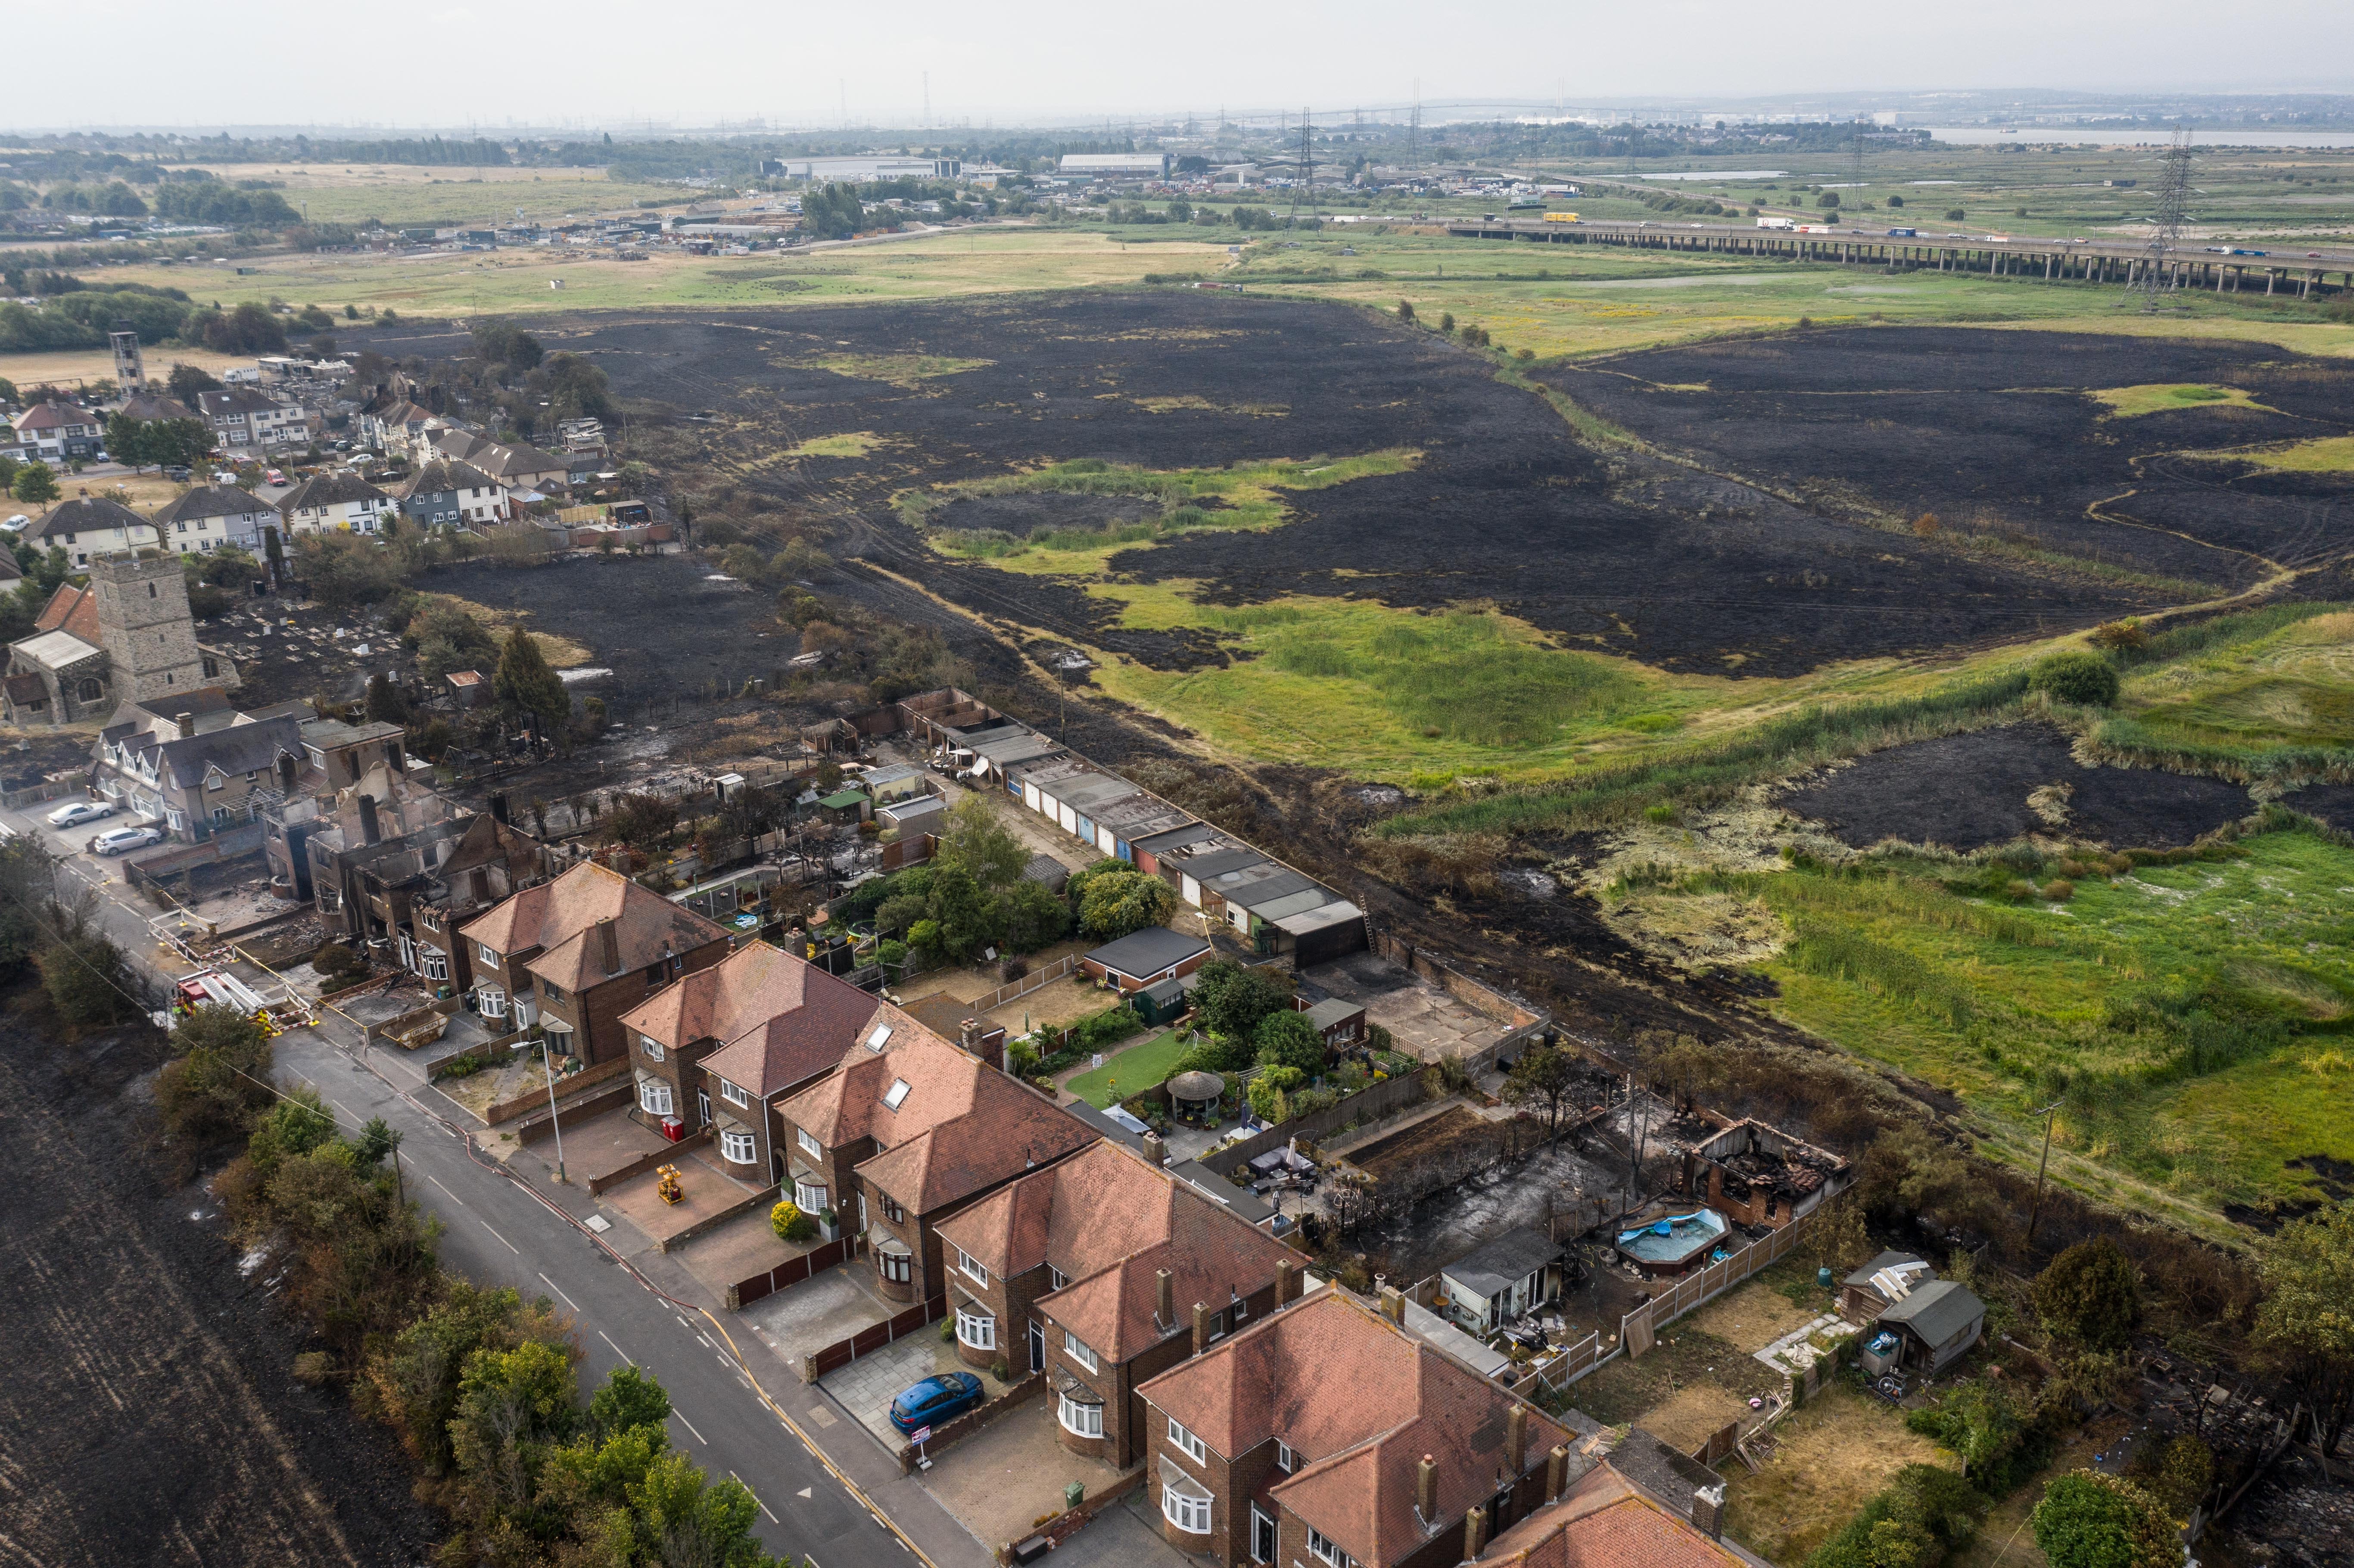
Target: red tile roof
[(1109, 1223), (1360, 1402), (1602, 1522), (962, 1124), (779, 1019), (73, 610), (561, 917)]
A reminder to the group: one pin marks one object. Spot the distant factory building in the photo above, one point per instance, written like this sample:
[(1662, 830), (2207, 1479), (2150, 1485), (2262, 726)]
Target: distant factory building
[(1116, 165), (859, 171)]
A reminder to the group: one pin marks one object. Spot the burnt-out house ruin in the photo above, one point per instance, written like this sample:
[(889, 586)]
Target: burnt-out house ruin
[(1757, 1175)]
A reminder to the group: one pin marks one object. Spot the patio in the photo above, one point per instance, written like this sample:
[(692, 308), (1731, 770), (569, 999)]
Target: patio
[(867, 1386), (1000, 1481), (728, 1253), (823, 1310), (595, 1149), (1426, 1022)]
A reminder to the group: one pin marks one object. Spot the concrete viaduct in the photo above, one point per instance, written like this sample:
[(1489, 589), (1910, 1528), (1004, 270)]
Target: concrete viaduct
[(2119, 261)]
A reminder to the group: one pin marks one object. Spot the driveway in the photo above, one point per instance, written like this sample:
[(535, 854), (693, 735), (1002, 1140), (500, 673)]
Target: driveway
[(867, 1386), (1002, 1480)]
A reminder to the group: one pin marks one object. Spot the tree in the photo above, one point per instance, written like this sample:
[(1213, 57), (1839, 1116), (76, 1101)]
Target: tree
[(1543, 1080), (577, 389), (2075, 675), (2089, 1519), (37, 485), (344, 571), (1033, 917), (524, 684), (126, 440), (639, 821), (187, 380), (1288, 1040), (88, 981), (1897, 202), (386, 703), (1231, 999), (1123, 902), (2305, 1326), (1829, 201), (218, 1076), (2088, 1296), (683, 1517), (27, 884), (964, 919)]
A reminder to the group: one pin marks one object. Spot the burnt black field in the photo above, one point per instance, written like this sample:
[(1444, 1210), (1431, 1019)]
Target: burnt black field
[(1757, 557)]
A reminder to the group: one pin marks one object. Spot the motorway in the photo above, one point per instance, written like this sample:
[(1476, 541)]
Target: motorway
[(742, 1415)]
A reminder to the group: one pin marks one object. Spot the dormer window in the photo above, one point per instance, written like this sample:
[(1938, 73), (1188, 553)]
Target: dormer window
[(897, 1096)]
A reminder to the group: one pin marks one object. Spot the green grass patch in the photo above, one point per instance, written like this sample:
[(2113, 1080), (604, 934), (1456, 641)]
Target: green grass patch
[(854, 444), (2270, 693), (2168, 397), (2190, 1017), (906, 371), (1131, 1072), (2329, 454)]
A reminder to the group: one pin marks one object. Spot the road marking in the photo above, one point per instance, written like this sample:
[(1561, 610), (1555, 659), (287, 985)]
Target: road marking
[(617, 1349), (683, 1421), (559, 1290), (445, 1192), (689, 1328), (756, 1498), (802, 1493), (502, 1241)]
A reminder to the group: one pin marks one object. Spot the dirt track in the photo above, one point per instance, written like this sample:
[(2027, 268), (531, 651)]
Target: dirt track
[(150, 1411)]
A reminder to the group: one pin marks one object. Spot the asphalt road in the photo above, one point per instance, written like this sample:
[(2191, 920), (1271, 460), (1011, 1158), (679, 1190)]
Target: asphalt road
[(2293, 256), (517, 1227)]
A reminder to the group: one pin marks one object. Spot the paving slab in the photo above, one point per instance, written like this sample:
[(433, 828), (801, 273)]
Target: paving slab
[(1000, 1481), (866, 1387), (730, 1253), (826, 1308), (704, 1191)]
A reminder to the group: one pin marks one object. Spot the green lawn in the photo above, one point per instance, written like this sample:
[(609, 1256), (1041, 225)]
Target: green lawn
[(1137, 1069)]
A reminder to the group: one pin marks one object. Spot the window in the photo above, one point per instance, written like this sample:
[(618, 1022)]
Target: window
[(892, 1211), (652, 1046), (493, 1002), (809, 1145), (653, 1097), (1324, 1551), (735, 1147), (893, 1266), (733, 1093), (1185, 1504), (1055, 1277), (971, 1265), (809, 1196), (897, 1096), (1284, 1458), (880, 1037), (551, 992), (437, 965), (1080, 1419), (487, 953), (1185, 1443), (977, 1330), (1076, 1348)]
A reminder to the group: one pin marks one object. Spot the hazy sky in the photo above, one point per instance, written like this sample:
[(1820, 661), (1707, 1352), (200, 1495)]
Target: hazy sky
[(496, 62)]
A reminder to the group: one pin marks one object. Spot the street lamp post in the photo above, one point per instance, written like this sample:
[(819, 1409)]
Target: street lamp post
[(547, 1065), (2036, 1212)]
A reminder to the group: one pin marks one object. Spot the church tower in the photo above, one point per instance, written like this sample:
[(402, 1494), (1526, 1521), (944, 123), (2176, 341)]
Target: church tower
[(144, 622)]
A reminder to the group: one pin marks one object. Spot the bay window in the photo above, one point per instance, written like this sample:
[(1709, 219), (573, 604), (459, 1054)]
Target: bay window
[(1184, 1502), (735, 1147), (1081, 1418), (653, 1097), (976, 1329)]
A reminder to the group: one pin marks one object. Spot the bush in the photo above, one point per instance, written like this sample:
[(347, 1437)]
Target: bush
[(336, 961), (218, 1076), (2128, 634), (2088, 1296), (1288, 1040), (1954, 215), (2093, 1521), (2075, 675), (1114, 904), (790, 1224), (2059, 890)]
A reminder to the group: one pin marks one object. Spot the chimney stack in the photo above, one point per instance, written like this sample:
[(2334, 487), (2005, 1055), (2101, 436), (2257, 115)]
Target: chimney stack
[(610, 939), (1201, 1328), (1286, 1280), (1556, 1472), (1708, 1511), (1394, 1304), (499, 806), (1425, 1491), (1155, 1151), (1164, 1300), (969, 1035), (1475, 1533), (1516, 1435), (370, 832)]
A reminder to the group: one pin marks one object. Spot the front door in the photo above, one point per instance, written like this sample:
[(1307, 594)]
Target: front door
[(1262, 1535), (702, 1108), (1037, 1348)]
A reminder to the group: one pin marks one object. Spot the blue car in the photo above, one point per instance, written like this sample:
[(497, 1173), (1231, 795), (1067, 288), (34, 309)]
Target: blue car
[(935, 1400)]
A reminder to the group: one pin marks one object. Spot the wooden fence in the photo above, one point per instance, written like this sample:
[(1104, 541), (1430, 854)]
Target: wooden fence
[(1638, 1329), (792, 1271), (1571, 1363), (868, 1341), (1366, 1105), (1026, 985)]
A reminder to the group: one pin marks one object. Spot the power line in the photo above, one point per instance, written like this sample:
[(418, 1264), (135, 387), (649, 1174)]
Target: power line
[(2173, 201)]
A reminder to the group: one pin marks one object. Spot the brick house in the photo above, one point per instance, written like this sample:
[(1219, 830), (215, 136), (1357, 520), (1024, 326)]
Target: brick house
[(1604, 1516), (728, 1043), (1103, 1272), (572, 955), (917, 1129), (1143, 958), (1759, 1175), (492, 860), (1326, 1434), (193, 765)]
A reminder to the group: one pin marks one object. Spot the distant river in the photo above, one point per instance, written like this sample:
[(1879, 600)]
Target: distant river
[(1979, 136)]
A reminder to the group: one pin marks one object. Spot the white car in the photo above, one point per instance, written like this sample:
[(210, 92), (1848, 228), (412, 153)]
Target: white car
[(17, 523), (115, 840), (74, 811)]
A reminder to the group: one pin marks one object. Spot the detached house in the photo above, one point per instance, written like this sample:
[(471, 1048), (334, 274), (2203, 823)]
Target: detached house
[(728, 1043), (914, 1130), (1329, 1438), (339, 500), (572, 955), (92, 525), (1103, 1271), (243, 417)]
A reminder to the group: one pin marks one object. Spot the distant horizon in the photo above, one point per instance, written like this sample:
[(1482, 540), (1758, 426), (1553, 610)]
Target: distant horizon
[(705, 64)]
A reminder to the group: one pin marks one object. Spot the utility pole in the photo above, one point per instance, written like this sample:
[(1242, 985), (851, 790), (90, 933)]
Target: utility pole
[(548, 1063), (2173, 200), (2036, 1212)]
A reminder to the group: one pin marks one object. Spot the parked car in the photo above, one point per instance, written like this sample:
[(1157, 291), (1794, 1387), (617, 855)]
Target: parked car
[(935, 1400), (115, 840), (17, 523), (272, 476), (77, 812), (179, 474)]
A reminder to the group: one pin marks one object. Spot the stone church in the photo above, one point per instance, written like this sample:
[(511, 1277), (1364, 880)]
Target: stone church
[(127, 637)]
